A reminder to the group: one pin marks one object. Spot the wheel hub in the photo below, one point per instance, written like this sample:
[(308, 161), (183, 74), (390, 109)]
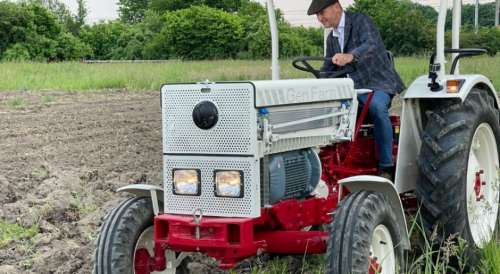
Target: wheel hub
[(382, 256), (478, 184), (374, 267), (143, 262), (482, 185)]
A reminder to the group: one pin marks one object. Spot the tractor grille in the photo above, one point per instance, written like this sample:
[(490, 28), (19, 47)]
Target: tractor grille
[(235, 132), (277, 117), (248, 206)]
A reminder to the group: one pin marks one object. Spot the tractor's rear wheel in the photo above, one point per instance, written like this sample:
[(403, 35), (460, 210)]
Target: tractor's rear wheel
[(458, 185), (364, 237), (125, 243)]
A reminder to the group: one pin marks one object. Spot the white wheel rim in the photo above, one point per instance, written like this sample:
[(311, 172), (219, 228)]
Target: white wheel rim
[(482, 209), (382, 249), (146, 241)]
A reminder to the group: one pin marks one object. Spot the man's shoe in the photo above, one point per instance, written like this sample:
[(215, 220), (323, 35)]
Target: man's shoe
[(387, 172)]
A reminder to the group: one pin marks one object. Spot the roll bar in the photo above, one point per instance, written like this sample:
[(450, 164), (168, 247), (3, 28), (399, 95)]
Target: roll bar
[(437, 68), (275, 67)]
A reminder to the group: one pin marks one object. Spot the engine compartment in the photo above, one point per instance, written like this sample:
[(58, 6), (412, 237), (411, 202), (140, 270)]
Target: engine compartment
[(293, 174)]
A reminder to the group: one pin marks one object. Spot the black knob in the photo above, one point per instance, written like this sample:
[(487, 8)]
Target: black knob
[(205, 115)]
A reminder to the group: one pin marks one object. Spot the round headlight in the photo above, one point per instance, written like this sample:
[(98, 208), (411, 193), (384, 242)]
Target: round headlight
[(205, 115)]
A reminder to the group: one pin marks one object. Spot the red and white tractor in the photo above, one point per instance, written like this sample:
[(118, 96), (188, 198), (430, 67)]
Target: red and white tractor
[(261, 166)]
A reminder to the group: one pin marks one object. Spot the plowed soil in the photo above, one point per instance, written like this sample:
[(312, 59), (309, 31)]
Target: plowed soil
[(62, 156)]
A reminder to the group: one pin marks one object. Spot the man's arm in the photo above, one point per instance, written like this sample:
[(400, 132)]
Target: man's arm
[(369, 38)]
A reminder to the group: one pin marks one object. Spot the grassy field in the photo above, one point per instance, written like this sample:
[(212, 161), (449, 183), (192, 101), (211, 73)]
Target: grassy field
[(149, 77)]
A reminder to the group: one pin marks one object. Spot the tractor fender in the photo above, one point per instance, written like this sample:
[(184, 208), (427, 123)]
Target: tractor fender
[(141, 190), (419, 89), (384, 186), (412, 121)]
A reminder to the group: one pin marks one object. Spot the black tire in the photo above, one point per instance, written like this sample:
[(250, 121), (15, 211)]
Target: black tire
[(443, 162), (351, 232), (119, 234)]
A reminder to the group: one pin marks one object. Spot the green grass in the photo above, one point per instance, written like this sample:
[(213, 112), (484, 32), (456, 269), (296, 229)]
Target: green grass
[(72, 76), (490, 263), (13, 232), (422, 259), (47, 99), (16, 102)]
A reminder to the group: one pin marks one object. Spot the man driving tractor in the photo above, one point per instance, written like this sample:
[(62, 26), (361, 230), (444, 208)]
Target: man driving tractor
[(355, 41)]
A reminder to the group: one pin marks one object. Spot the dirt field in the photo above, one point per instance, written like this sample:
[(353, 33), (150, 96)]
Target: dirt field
[(60, 163), (62, 156)]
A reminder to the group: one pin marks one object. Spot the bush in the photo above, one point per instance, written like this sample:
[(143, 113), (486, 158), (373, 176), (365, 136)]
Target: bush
[(18, 52), (403, 27), (294, 41), (14, 24), (29, 31), (172, 5), (487, 38), (199, 32), (103, 38), (130, 44), (71, 48), (486, 15)]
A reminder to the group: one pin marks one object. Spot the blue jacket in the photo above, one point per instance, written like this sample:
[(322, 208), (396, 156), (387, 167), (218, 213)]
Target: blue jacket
[(372, 67)]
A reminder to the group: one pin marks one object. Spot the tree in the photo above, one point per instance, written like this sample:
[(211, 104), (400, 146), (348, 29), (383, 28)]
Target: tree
[(294, 41), (486, 15), (62, 13), (81, 13), (404, 28), (14, 24), (487, 38), (103, 38), (70, 47), (428, 12), (199, 32), (30, 31), (132, 11), (172, 5)]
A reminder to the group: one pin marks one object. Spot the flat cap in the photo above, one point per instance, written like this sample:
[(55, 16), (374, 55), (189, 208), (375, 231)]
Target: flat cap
[(318, 5)]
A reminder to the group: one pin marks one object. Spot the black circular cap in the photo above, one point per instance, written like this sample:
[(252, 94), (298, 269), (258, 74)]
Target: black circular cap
[(205, 115)]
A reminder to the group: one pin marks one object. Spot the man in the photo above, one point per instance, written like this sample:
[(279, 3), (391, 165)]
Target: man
[(356, 42)]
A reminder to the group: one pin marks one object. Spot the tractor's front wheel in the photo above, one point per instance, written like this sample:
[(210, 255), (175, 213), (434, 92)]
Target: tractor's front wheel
[(458, 186), (125, 243), (364, 237)]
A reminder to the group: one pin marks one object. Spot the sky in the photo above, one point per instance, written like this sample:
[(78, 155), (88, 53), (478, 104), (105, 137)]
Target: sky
[(295, 10), (98, 9)]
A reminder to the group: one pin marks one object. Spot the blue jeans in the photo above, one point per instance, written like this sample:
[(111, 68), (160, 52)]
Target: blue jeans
[(382, 127)]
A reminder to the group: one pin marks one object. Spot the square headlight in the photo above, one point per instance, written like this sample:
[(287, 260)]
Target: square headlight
[(186, 182), (228, 183)]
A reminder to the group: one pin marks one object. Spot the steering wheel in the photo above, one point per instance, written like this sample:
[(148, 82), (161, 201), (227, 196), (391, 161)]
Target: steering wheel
[(302, 63)]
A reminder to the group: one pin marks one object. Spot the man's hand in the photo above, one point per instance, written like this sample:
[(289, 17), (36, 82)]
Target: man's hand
[(342, 59)]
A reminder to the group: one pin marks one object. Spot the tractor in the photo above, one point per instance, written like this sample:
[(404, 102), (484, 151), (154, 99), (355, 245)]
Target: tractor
[(289, 167)]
